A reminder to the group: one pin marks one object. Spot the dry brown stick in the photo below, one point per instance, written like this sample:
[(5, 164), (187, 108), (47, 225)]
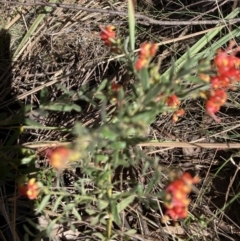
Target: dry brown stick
[(175, 144), (142, 19), (201, 139), (172, 144)]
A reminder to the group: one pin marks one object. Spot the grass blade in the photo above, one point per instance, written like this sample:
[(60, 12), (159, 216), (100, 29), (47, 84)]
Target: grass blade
[(131, 20)]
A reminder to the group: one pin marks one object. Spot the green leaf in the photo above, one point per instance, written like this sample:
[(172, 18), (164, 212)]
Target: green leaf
[(99, 235), (130, 232), (90, 211), (34, 123), (65, 90), (50, 227), (43, 203), (124, 203), (144, 77), (76, 214), (56, 204), (43, 96), (115, 212), (95, 220), (151, 94), (68, 207), (102, 204), (65, 107), (102, 85), (119, 145), (152, 183), (27, 160)]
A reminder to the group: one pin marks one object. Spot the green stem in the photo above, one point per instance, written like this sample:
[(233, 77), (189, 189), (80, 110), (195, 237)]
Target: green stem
[(110, 219)]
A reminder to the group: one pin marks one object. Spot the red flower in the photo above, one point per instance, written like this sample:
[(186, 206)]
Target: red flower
[(176, 197), (172, 101), (108, 35), (218, 82), (147, 51), (141, 63), (216, 100), (177, 114), (115, 87), (228, 64), (228, 71), (30, 190)]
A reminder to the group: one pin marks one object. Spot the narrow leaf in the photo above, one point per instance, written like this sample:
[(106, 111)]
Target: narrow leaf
[(124, 203), (43, 203)]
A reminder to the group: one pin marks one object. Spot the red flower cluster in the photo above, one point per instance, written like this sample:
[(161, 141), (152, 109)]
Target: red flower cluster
[(216, 99), (29, 189), (146, 53), (174, 102), (108, 35), (227, 66), (176, 197)]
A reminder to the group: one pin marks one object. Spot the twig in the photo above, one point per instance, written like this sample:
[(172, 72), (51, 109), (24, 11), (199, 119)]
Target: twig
[(175, 144), (203, 138), (172, 144), (141, 19)]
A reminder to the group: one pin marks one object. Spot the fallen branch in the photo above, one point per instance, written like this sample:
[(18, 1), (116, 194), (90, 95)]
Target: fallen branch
[(141, 19)]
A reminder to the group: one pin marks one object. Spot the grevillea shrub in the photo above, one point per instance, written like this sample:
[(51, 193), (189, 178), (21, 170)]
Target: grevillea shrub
[(125, 110)]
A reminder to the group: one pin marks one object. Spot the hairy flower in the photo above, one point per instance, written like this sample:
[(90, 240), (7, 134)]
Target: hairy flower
[(108, 35), (61, 156), (146, 53), (172, 101), (115, 87), (219, 82), (216, 99), (227, 67), (29, 189), (228, 64), (176, 196), (177, 114), (141, 63), (148, 50)]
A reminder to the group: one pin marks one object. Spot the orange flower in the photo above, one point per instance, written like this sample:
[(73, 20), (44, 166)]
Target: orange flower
[(115, 87), (108, 35), (176, 197), (30, 190), (61, 156), (204, 77), (177, 114), (172, 101), (147, 51), (227, 65), (218, 82), (216, 100), (141, 63)]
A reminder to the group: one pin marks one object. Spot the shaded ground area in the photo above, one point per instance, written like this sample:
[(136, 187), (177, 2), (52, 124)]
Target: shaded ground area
[(65, 51)]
